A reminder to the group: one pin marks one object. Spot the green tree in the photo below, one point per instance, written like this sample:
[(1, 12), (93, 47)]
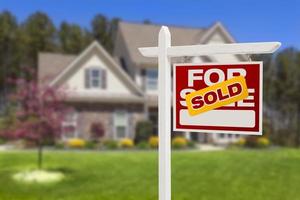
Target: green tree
[(286, 96), (104, 30), (72, 38), (39, 34), (9, 51)]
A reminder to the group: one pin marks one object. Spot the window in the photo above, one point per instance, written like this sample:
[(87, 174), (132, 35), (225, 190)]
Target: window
[(120, 124), (151, 79), (95, 78), (69, 126)]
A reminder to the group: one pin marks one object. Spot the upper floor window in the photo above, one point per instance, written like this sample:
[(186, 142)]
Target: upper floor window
[(95, 78), (151, 79)]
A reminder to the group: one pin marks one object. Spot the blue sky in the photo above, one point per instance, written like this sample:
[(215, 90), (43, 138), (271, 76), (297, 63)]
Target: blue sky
[(246, 20)]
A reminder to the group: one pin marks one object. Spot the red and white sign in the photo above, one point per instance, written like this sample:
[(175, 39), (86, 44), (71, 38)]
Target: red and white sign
[(241, 117)]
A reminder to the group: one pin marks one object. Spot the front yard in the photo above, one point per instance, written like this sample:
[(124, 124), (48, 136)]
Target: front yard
[(132, 175)]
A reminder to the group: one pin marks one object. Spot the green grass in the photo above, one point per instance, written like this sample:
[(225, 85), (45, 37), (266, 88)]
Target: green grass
[(236, 174)]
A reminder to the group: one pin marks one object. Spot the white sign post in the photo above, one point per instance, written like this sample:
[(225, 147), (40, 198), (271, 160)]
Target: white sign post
[(164, 52)]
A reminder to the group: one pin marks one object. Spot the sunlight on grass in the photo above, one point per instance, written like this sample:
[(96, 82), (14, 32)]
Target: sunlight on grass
[(38, 176)]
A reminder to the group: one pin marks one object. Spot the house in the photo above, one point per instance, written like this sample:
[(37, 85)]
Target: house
[(119, 90)]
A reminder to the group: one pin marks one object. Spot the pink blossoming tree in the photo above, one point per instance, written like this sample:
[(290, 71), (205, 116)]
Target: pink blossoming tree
[(40, 111)]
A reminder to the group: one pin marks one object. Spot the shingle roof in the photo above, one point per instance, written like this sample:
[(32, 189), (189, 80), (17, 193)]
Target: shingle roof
[(51, 64), (144, 35)]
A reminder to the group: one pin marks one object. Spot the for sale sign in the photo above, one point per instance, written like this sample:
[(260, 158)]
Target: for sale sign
[(218, 98)]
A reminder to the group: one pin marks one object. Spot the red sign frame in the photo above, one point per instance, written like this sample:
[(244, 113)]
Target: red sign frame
[(242, 117)]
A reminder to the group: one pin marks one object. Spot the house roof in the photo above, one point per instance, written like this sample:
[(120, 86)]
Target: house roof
[(145, 35), (95, 47), (51, 64)]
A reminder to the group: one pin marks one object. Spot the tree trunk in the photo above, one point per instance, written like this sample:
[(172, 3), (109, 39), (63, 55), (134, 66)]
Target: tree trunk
[(40, 156)]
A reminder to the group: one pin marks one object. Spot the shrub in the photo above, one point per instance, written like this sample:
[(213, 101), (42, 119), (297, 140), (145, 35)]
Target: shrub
[(241, 142), (179, 142), (76, 143), (144, 129), (110, 144), (263, 142), (153, 142), (143, 145), (2, 141), (191, 144), (126, 143), (59, 145), (251, 141), (90, 144), (97, 131)]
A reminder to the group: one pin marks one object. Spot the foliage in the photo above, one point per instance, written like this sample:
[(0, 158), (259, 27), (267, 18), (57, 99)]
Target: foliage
[(9, 49), (126, 143), (241, 142), (179, 142), (281, 97), (97, 131), (143, 145), (110, 144), (59, 145), (251, 141), (263, 142), (76, 143), (38, 34), (191, 144), (153, 142), (104, 30), (2, 141), (257, 142), (22, 42), (73, 39), (91, 144), (37, 116), (143, 130)]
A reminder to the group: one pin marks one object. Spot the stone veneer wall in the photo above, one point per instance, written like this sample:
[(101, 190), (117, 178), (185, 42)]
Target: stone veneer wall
[(96, 112)]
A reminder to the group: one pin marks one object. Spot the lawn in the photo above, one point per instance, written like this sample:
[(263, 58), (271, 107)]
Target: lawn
[(232, 174)]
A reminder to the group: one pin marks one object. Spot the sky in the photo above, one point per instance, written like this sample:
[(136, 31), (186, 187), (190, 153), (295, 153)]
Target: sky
[(246, 20)]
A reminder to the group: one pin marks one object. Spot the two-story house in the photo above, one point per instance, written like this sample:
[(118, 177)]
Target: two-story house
[(121, 89)]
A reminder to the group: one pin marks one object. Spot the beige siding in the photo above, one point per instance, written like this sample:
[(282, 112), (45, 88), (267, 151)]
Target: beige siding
[(77, 83)]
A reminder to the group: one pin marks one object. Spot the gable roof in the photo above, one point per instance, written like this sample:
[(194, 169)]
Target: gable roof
[(145, 35), (51, 64), (55, 68)]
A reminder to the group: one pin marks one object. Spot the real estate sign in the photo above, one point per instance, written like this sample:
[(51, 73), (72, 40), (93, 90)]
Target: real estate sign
[(224, 98)]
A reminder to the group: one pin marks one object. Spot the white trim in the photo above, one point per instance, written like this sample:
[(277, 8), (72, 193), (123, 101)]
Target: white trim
[(164, 114), (214, 28), (221, 131), (71, 65), (213, 49)]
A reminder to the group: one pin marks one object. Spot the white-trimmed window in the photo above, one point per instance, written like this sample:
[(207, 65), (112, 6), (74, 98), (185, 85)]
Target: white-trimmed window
[(151, 79), (69, 126), (120, 124), (95, 78)]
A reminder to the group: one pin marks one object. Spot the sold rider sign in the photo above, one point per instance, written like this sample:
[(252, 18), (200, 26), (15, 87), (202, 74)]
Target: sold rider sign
[(219, 98)]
